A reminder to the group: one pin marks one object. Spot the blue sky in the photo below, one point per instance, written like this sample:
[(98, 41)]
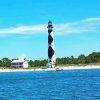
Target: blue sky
[(23, 27)]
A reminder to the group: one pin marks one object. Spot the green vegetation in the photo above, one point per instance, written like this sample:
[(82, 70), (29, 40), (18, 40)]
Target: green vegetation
[(38, 63), (5, 62), (91, 59)]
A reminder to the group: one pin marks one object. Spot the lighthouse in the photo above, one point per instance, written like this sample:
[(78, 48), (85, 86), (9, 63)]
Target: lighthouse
[(51, 50)]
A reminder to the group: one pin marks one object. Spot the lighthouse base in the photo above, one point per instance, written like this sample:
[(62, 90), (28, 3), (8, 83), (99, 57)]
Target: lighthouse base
[(50, 65)]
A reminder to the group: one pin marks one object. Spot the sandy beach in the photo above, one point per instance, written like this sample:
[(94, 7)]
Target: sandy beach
[(51, 69)]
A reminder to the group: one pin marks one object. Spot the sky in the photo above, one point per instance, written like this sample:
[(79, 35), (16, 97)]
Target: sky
[(23, 27)]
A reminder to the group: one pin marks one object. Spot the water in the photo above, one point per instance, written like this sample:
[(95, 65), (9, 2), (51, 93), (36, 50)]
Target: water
[(51, 85)]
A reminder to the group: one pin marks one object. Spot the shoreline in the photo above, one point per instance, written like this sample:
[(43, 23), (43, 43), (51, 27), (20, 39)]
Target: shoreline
[(51, 69)]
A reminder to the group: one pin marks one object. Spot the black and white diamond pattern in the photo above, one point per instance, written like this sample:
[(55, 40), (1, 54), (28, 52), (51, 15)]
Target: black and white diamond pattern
[(51, 51), (50, 39), (49, 31)]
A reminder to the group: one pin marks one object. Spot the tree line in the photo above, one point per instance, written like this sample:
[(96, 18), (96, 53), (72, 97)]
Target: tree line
[(82, 59)]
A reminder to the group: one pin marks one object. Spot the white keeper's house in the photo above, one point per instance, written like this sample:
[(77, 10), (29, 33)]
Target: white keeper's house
[(19, 63)]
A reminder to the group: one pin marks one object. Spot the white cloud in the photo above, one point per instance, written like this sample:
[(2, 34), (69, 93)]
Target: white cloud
[(82, 26), (24, 29), (92, 19)]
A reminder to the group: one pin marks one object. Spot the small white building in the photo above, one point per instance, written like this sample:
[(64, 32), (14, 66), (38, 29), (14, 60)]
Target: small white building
[(19, 63)]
